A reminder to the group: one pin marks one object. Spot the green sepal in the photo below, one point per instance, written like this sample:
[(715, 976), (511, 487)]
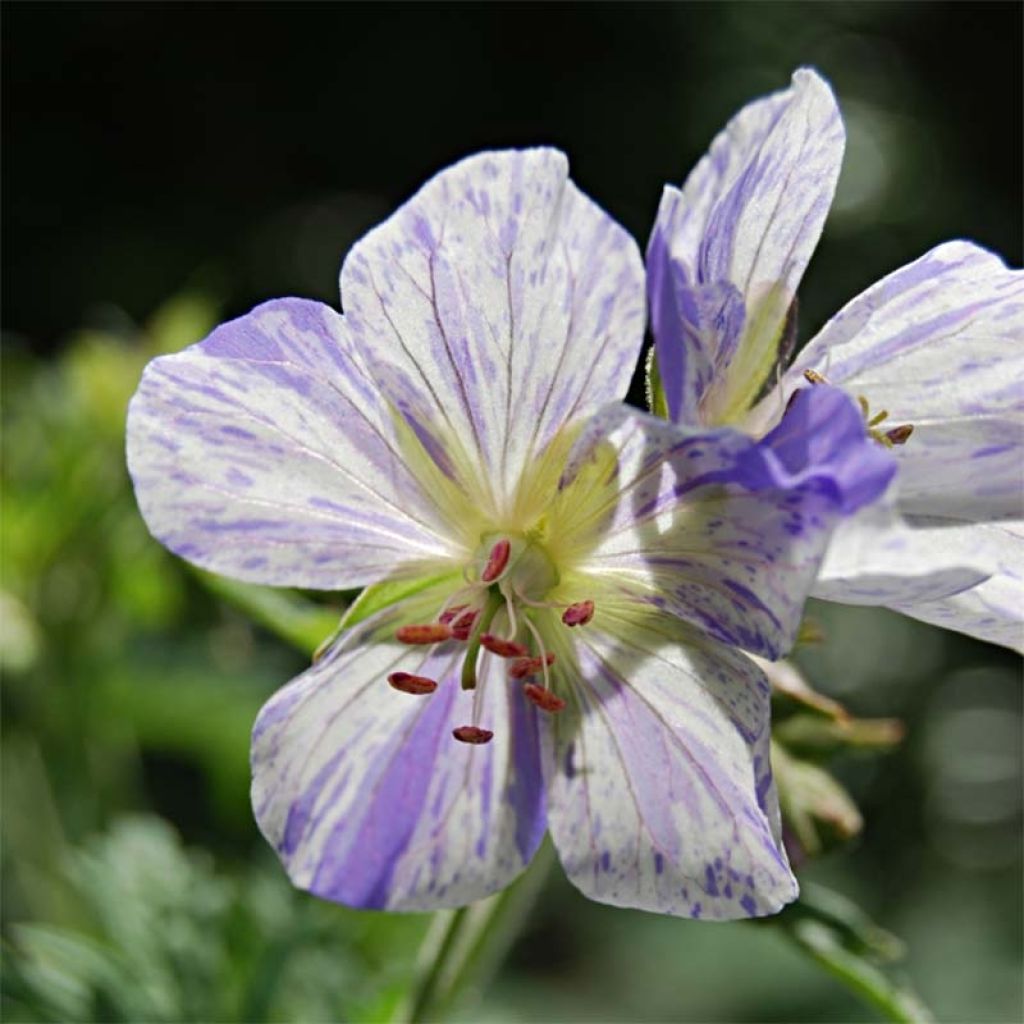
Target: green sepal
[(656, 400)]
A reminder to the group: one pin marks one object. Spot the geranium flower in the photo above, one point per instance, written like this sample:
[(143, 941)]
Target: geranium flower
[(574, 576), (933, 351)]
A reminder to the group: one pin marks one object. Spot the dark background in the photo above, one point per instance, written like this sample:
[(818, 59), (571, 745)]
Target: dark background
[(145, 141), (166, 166)]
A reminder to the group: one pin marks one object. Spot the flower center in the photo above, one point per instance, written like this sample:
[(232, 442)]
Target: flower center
[(509, 579)]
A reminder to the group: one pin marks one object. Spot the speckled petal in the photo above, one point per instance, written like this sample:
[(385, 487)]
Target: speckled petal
[(660, 792), (367, 797), (993, 610), (506, 296), (878, 557), (940, 345), (722, 531), (968, 577), (268, 453), (728, 251)]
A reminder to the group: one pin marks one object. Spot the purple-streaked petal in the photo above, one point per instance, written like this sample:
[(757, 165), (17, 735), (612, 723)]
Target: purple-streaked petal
[(940, 345), (268, 453), (993, 610), (508, 298), (367, 797), (968, 577), (728, 250), (822, 442), (714, 527), (660, 794), (877, 557)]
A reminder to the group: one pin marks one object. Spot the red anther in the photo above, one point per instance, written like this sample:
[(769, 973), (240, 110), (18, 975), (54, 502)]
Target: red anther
[(449, 616), (496, 562), (408, 683), (463, 625), (503, 648), (578, 614), (523, 667), (472, 734), (430, 633), (544, 699), (900, 435)]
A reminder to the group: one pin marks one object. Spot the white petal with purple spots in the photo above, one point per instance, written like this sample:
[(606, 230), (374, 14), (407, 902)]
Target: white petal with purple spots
[(268, 453), (729, 249), (367, 797), (710, 526), (878, 558), (992, 610), (507, 298), (940, 344), (660, 791)]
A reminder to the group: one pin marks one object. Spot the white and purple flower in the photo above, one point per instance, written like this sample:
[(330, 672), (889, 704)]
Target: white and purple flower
[(576, 576), (936, 349)]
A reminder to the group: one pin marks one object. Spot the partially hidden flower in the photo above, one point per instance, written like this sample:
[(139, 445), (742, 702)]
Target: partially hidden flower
[(576, 577), (934, 353)]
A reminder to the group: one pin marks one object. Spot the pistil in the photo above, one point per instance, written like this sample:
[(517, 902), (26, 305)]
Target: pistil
[(480, 627)]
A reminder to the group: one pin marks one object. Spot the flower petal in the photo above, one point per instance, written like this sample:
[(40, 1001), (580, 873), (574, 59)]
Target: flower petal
[(877, 557), (714, 527), (968, 577), (659, 787), (508, 298), (367, 797), (993, 610), (938, 345), (268, 453), (728, 251)]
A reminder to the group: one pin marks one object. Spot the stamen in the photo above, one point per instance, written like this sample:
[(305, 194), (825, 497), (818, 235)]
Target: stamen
[(578, 614), (408, 683), (521, 668), (900, 435), (496, 562), (865, 409), (813, 377), (545, 658), (429, 633), (878, 417), (544, 699), (472, 734), (450, 614), (503, 648), (510, 611), (463, 625)]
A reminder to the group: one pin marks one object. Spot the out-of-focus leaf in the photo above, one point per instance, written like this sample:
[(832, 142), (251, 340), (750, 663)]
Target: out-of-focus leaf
[(837, 934), (294, 618), (19, 634)]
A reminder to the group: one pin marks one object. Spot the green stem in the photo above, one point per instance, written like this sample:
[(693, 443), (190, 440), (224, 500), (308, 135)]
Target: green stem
[(836, 934), (464, 947)]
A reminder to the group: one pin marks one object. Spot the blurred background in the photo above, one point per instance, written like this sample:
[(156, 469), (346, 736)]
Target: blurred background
[(168, 166)]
